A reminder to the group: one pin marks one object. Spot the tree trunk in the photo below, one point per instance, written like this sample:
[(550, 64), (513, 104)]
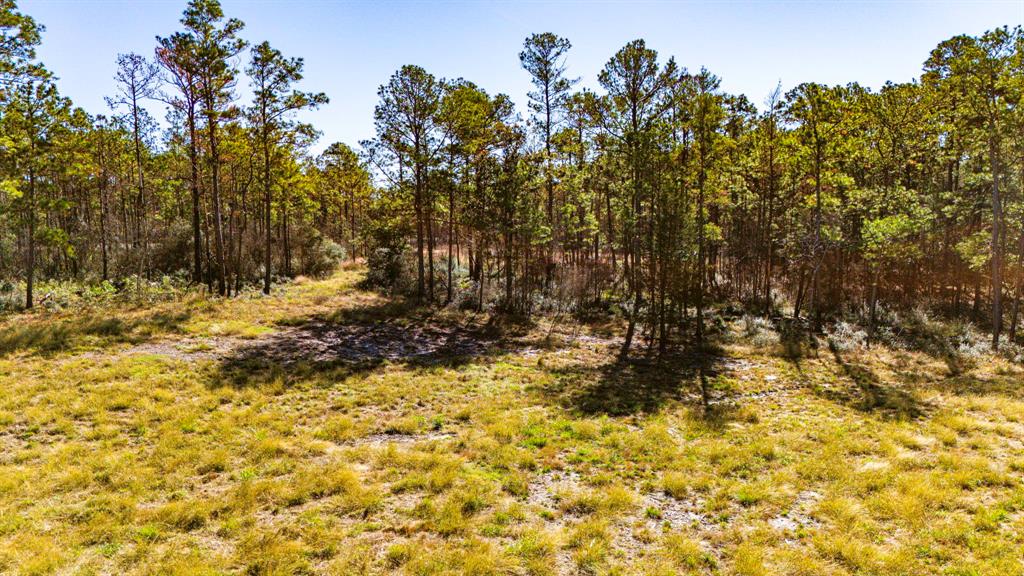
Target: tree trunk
[(266, 214), (30, 263), (997, 248), (418, 205), (451, 218), (142, 233), (193, 157), (218, 228)]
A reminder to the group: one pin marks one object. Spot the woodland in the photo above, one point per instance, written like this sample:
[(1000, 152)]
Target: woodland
[(656, 197), (653, 328)]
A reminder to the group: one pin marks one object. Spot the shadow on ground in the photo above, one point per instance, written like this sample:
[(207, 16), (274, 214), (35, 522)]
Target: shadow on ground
[(641, 385), (357, 340), (46, 336), (1008, 385), (870, 394)]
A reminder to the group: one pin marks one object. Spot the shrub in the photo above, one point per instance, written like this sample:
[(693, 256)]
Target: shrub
[(466, 294), (167, 253), (1012, 352), (843, 337), (759, 331), (57, 295), (386, 268), (388, 261), (320, 255), (954, 342), (463, 288)]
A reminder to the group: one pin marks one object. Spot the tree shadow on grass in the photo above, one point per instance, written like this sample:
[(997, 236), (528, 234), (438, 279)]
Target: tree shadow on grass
[(642, 385), (358, 340), (47, 336), (1008, 385), (870, 395)]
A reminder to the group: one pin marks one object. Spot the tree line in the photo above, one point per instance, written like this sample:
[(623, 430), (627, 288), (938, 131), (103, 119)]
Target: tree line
[(227, 194), (654, 197), (661, 193)]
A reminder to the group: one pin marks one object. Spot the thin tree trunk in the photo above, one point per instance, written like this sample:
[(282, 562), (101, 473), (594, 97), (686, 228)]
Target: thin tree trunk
[(142, 232), (193, 157), (451, 218), (30, 264), (997, 249), (266, 215), (218, 229)]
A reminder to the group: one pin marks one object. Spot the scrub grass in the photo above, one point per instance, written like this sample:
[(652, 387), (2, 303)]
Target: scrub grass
[(155, 441)]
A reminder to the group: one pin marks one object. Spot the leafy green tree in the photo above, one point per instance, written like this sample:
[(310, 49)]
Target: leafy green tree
[(347, 188), (137, 80), (543, 56), (274, 104), (978, 68), (175, 54), (769, 150), (817, 112), (214, 45), (707, 118), (19, 36), (637, 100), (410, 134), (33, 112)]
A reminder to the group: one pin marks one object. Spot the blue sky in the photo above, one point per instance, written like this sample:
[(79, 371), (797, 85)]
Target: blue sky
[(351, 48)]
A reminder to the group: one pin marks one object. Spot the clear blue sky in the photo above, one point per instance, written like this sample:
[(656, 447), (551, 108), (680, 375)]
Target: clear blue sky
[(351, 48)]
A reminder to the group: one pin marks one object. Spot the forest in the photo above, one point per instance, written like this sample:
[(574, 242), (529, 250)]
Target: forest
[(657, 197), (493, 307)]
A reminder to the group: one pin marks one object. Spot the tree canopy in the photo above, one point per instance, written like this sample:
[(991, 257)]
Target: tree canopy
[(652, 198)]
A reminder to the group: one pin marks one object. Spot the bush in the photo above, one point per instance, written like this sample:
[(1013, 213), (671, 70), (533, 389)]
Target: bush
[(759, 331), (56, 295), (465, 290), (388, 262), (386, 269), (954, 342), (1012, 352), (320, 255), (169, 252), (844, 337)]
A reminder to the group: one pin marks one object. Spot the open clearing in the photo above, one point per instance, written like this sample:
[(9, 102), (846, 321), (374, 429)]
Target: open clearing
[(328, 430)]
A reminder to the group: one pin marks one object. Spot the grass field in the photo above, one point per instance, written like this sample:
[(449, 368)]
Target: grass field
[(326, 430)]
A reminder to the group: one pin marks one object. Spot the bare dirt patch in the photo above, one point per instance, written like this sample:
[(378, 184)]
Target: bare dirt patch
[(800, 516), (544, 490), (661, 509), (320, 341), (196, 349)]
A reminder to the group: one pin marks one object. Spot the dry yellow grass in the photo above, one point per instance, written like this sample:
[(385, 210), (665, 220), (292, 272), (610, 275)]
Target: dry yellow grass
[(211, 438)]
